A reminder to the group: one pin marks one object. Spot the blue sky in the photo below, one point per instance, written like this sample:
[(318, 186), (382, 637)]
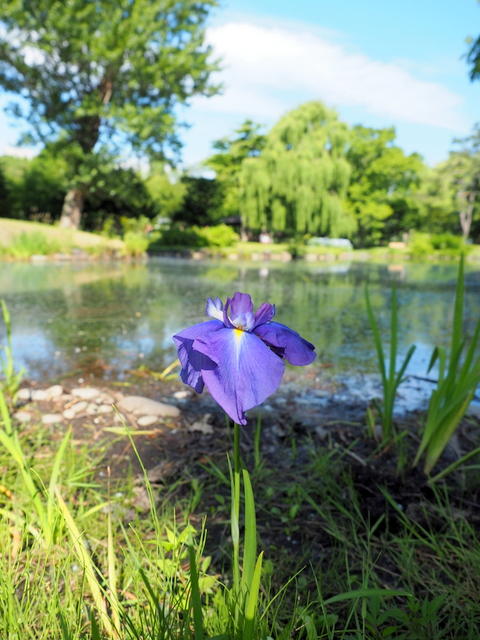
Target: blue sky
[(378, 63)]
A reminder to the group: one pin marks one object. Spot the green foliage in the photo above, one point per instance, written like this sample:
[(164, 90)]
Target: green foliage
[(220, 235), (166, 191), (5, 196), (27, 244), (458, 379), (43, 188), (201, 203), (382, 182), (422, 245), (10, 382), (136, 244), (247, 142), (146, 60), (391, 378), (298, 182)]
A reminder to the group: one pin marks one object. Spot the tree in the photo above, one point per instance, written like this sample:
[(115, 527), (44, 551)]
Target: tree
[(298, 182), (166, 190), (463, 166), (247, 142), (382, 185), (202, 201), (5, 198), (104, 73)]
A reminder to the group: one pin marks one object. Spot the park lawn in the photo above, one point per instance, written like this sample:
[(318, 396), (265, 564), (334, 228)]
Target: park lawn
[(67, 239)]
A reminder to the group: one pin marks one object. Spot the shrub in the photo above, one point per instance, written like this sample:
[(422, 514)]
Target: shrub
[(197, 237), (220, 235), (27, 244), (135, 244), (420, 244), (448, 244)]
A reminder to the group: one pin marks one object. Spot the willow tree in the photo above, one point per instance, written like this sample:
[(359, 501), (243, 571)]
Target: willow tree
[(298, 182), (105, 73)]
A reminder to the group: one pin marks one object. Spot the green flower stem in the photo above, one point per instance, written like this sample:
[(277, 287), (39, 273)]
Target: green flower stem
[(235, 514)]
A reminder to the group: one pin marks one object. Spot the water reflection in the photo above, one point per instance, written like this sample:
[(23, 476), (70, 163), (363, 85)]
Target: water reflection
[(111, 318)]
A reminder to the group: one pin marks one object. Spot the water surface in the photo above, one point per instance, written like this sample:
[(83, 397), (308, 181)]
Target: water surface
[(107, 319)]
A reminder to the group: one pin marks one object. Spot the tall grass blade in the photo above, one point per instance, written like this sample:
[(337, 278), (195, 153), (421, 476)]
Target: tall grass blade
[(252, 601), (250, 541), (88, 567), (196, 602)]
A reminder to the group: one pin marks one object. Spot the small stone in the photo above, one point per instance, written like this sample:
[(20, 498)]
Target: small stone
[(203, 425), (25, 395), (52, 418), (182, 395), (147, 421), (22, 416), (54, 392), (140, 406), (75, 410), (39, 395), (105, 408), (92, 409), (86, 393)]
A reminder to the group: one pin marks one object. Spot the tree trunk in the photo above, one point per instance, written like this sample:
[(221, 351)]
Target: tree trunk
[(466, 215), (72, 209)]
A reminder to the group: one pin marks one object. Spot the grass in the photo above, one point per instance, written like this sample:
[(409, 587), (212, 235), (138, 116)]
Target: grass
[(346, 553), (21, 239)]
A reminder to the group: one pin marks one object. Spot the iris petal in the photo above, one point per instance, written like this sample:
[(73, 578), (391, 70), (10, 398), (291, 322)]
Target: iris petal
[(247, 372), (194, 362), (214, 308), (240, 311), (264, 313), (293, 347)]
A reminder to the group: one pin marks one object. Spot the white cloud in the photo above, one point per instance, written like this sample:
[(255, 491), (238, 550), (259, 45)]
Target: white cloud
[(268, 69)]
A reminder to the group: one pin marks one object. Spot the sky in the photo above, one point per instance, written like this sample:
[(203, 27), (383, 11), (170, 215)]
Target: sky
[(377, 63)]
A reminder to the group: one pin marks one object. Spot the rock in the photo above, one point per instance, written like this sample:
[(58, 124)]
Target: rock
[(22, 416), (182, 395), (92, 409), (25, 395), (75, 410), (147, 421), (140, 406), (54, 392), (203, 425), (52, 418), (86, 393), (105, 408), (39, 395)]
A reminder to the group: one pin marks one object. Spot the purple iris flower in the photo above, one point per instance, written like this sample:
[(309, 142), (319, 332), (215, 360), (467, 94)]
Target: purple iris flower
[(239, 354)]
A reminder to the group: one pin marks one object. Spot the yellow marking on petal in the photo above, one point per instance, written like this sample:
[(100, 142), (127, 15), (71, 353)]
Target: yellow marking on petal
[(238, 333)]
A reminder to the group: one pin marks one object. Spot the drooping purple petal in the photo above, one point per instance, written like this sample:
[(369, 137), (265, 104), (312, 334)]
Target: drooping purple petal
[(287, 342), (247, 372), (194, 362), (214, 308), (264, 313)]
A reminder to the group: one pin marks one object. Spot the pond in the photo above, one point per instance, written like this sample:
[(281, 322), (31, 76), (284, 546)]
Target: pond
[(107, 319)]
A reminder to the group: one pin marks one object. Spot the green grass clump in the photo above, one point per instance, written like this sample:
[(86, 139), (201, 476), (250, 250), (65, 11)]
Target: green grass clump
[(27, 244), (136, 244)]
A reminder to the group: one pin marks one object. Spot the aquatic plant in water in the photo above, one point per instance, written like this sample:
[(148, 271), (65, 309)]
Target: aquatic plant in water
[(239, 355)]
